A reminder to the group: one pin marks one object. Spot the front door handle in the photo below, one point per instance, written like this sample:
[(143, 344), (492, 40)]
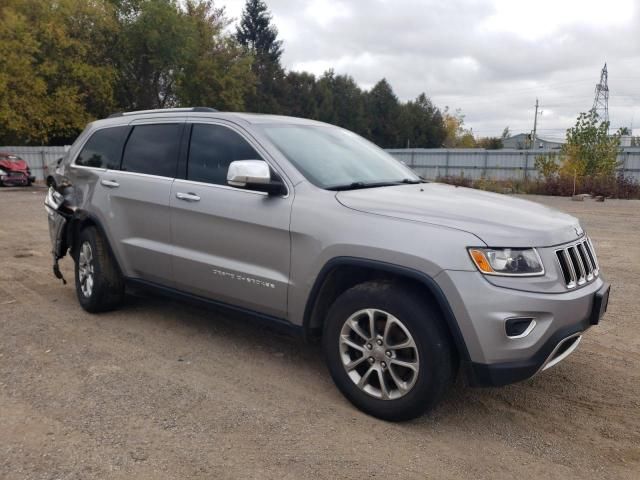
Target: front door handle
[(188, 197), (110, 183)]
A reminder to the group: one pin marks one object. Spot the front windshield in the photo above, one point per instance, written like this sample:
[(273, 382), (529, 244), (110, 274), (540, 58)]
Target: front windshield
[(332, 157)]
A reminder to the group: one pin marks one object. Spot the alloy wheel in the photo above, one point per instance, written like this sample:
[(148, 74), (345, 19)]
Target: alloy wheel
[(379, 354)]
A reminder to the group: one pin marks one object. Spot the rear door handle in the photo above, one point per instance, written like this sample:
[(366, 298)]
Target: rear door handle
[(110, 183), (188, 197)]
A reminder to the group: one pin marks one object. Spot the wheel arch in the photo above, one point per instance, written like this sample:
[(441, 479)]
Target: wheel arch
[(341, 273), (80, 220)]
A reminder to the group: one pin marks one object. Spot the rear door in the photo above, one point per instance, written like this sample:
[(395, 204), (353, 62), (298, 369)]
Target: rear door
[(136, 200), (231, 244)]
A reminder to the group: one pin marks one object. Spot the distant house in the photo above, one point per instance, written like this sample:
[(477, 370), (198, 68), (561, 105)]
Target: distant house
[(522, 141)]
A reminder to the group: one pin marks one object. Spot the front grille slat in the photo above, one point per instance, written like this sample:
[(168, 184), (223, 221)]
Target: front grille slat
[(592, 255), (585, 261), (572, 271), (578, 263)]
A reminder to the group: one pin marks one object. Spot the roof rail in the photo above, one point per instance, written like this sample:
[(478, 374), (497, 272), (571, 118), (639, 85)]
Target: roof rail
[(164, 110)]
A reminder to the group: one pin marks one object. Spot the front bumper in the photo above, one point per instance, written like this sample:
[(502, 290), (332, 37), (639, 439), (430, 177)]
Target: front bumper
[(481, 310), (14, 180)]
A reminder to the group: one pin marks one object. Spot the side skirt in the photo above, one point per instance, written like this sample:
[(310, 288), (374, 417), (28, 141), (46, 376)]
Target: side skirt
[(276, 323)]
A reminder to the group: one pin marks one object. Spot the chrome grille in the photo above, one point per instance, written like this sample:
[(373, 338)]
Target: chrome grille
[(578, 263)]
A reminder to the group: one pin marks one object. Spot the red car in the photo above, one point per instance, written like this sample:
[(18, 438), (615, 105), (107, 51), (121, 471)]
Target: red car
[(14, 171)]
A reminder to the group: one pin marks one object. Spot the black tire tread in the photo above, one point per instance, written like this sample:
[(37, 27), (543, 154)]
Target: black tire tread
[(427, 327), (108, 291)]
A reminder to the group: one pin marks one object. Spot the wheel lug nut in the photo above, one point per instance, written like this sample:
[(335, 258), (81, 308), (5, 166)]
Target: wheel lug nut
[(379, 342), (371, 360), (383, 364), (388, 353), (369, 346)]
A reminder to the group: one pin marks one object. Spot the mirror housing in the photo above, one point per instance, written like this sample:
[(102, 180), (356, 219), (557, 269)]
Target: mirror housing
[(254, 175)]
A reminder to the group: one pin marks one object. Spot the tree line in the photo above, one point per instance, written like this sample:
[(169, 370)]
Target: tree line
[(67, 62)]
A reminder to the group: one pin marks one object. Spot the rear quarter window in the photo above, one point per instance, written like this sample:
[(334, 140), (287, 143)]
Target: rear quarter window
[(104, 148)]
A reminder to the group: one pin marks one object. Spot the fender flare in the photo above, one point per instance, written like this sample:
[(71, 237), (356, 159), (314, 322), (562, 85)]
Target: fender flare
[(80, 217), (402, 271)]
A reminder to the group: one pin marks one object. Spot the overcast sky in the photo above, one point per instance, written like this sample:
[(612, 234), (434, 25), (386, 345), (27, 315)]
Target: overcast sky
[(490, 58)]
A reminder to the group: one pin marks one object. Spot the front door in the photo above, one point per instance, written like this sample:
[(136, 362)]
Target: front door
[(230, 244)]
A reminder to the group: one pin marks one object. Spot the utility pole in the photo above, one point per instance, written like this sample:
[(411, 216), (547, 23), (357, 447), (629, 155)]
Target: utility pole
[(535, 127)]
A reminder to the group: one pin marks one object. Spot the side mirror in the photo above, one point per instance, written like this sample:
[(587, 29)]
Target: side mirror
[(254, 175)]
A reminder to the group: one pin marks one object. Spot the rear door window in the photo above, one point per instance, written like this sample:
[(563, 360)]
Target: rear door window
[(104, 148), (212, 149), (153, 149)]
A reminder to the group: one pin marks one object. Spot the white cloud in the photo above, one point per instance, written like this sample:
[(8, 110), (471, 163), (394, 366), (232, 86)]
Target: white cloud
[(323, 12), (489, 58), (543, 18)]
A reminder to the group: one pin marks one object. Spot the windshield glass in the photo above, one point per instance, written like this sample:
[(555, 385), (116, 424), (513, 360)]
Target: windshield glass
[(332, 157)]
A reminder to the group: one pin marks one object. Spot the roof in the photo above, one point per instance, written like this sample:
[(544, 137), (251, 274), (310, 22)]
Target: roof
[(205, 112)]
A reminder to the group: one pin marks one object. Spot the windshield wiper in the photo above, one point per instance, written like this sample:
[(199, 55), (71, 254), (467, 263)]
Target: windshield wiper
[(361, 185)]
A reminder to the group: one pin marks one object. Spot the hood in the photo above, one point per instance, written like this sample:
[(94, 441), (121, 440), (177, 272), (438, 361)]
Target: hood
[(10, 165), (498, 220)]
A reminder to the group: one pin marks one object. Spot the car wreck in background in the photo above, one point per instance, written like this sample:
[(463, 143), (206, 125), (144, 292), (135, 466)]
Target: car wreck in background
[(14, 171)]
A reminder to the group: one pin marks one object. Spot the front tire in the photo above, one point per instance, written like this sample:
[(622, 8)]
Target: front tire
[(388, 351), (99, 285)]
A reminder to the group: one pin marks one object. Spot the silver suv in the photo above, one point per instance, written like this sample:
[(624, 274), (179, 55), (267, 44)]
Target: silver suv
[(314, 228)]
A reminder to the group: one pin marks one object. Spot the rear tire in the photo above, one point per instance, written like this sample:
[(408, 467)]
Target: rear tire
[(412, 361), (99, 284)]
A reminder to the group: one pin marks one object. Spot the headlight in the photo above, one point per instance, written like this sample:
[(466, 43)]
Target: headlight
[(2, 172), (53, 201), (507, 261)]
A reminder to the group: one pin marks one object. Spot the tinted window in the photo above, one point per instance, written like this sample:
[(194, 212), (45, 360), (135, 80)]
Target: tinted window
[(104, 148), (213, 148), (153, 149)]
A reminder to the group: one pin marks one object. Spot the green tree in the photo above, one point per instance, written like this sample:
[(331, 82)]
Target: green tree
[(490, 143), (421, 124), (53, 73), (150, 50), (340, 101), (456, 135), (383, 112), (215, 70), (589, 149), (260, 39), (547, 166), (299, 99)]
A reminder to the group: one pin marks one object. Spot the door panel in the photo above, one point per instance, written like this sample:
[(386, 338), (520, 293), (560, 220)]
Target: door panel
[(138, 214), (230, 244)]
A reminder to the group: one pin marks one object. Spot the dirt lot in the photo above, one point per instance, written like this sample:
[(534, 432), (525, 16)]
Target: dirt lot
[(161, 389)]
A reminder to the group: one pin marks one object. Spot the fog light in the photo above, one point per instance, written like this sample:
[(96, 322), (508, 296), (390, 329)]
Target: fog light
[(519, 327)]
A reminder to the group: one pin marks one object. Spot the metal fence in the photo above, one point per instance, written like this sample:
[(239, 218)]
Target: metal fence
[(506, 164), (431, 163), (41, 160)]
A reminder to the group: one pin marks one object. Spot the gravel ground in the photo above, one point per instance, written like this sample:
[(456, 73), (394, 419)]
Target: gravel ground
[(162, 389)]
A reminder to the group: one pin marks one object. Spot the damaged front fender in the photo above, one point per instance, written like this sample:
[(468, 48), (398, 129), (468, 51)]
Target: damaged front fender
[(58, 218)]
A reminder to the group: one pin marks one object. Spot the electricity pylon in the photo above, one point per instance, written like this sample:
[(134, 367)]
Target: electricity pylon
[(601, 99)]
